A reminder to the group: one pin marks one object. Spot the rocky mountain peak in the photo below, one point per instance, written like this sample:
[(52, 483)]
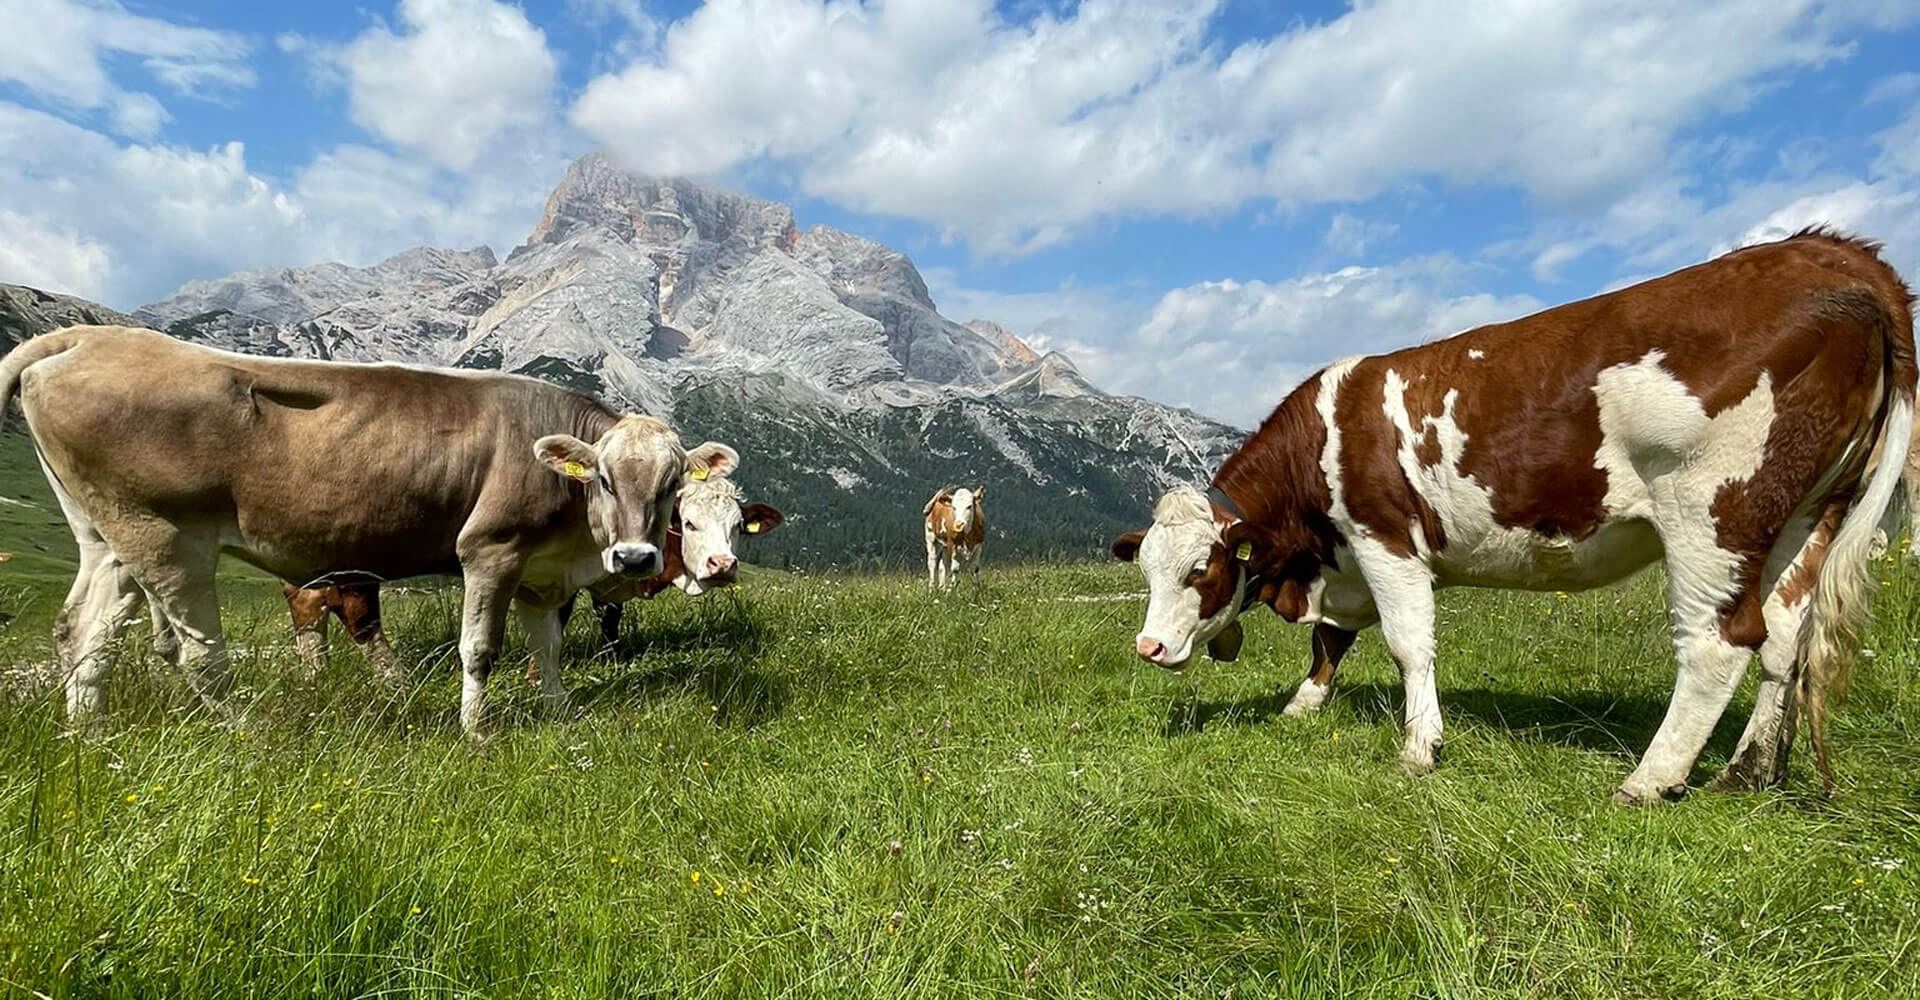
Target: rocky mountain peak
[(1014, 352), (597, 194)]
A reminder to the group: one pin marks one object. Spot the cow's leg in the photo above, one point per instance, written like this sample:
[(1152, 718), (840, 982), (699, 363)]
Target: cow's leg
[(179, 577), (102, 601), (543, 629), (933, 560), (1330, 645), (946, 566), (973, 561), (358, 608), (608, 612), (489, 585), (1760, 759), (307, 607), (957, 563), (1711, 664), (166, 642), (1403, 590)]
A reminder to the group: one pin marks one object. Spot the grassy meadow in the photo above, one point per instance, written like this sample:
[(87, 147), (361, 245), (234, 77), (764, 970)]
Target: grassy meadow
[(823, 786)]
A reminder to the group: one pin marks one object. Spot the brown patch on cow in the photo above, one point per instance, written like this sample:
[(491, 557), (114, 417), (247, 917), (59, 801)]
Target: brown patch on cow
[(1374, 486), (1798, 581), (1743, 622), (1330, 645), (1276, 480), (1216, 584)]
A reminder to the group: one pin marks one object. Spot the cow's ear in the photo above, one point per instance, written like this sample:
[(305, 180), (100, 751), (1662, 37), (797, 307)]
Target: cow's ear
[(711, 459), (1249, 544), (1128, 545), (758, 519), (978, 492), (568, 456)]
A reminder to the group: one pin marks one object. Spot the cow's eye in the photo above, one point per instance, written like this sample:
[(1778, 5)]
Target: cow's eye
[(606, 484), (689, 525)]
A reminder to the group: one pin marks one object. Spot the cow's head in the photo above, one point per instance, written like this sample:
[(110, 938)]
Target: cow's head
[(1197, 576), (712, 518), (966, 502), (631, 475)]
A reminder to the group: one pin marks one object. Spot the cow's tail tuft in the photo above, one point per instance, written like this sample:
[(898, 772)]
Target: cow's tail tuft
[(1843, 590), (28, 353)]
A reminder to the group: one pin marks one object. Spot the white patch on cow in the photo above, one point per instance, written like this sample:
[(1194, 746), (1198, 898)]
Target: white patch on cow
[(1666, 460), (1476, 354), (710, 519), (1323, 403), (1403, 591), (1180, 541), (1308, 697), (962, 508)]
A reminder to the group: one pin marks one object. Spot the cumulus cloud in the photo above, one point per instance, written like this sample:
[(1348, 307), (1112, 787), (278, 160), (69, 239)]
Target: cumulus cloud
[(1014, 134), (125, 223), (60, 51), (1231, 349), (456, 78)]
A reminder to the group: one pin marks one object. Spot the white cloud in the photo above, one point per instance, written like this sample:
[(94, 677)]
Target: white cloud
[(460, 78), (60, 50), (126, 223), (1015, 134), (1231, 349), (1349, 236), (36, 254)]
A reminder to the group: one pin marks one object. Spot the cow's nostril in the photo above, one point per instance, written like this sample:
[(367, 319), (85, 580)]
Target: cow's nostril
[(1149, 648)]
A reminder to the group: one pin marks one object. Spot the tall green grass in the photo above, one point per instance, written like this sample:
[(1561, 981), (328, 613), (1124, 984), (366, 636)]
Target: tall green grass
[(820, 786)]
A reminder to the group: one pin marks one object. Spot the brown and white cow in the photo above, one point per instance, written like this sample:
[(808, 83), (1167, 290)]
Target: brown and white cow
[(1744, 422), (956, 528), (165, 454), (709, 518)]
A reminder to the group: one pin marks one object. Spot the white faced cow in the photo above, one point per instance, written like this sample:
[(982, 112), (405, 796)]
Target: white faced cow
[(710, 516), (1744, 422), (956, 530), (164, 454)]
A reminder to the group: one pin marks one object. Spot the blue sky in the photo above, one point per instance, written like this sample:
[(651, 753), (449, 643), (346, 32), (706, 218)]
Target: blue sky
[(1198, 201)]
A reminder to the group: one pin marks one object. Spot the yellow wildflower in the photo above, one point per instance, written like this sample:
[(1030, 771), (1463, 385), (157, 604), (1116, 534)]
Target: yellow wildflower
[(695, 876), (132, 798)]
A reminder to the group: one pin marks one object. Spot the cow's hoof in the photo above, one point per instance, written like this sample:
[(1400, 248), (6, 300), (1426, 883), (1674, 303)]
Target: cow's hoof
[(1638, 795), (1420, 760)]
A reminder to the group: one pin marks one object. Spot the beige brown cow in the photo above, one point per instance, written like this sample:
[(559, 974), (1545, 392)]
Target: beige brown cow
[(1744, 422), (956, 529), (165, 454)]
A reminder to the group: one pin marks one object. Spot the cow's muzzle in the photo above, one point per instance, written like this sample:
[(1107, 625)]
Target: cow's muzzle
[(720, 571), (634, 559), (1156, 652)]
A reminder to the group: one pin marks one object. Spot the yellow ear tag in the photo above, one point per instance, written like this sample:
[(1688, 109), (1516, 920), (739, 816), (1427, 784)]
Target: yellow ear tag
[(1244, 552), (574, 470), (753, 527), (700, 474)]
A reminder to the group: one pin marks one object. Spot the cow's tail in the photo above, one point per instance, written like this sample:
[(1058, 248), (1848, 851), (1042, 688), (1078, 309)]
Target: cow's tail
[(26, 355), (1843, 590)]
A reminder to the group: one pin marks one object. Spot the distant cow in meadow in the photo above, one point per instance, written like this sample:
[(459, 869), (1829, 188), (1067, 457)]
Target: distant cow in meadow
[(1744, 421), (164, 454), (956, 528)]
